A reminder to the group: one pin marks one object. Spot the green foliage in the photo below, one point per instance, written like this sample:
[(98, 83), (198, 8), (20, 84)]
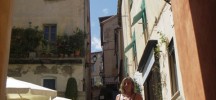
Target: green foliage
[(71, 89), (158, 76), (68, 44), (163, 39), (79, 39), (157, 51), (63, 45), (25, 40), (156, 85), (137, 87)]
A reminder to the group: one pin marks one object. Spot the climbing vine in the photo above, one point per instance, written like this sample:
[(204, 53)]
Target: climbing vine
[(161, 79), (137, 88)]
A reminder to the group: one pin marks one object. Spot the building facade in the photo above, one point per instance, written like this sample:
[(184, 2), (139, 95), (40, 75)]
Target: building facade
[(150, 51), (171, 49), (195, 49), (108, 24), (55, 18), (194, 26), (96, 69)]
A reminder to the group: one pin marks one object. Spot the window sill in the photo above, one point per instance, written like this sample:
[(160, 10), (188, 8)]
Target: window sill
[(176, 95)]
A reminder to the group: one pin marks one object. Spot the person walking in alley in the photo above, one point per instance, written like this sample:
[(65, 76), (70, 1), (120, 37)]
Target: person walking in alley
[(127, 90)]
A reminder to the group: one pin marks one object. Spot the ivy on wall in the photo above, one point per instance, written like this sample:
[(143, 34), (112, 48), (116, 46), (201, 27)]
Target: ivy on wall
[(24, 40), (157, 87)]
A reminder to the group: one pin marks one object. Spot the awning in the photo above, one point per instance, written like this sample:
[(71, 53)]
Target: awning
[(61, 98), (147, 51), (14, 86)]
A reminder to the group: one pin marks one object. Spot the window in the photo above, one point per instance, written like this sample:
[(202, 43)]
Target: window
[(93, 81), (173, 72), (49, 83), (152, 85), (93, 68), (150, 67), (50, 31)]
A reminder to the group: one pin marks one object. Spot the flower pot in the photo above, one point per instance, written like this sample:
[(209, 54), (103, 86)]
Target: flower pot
[(77, 53)]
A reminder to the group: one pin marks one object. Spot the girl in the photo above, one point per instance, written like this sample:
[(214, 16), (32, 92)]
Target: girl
[(127, 90)]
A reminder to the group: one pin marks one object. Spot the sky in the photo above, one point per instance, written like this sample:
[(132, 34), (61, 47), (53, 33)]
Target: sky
[(99, 8)]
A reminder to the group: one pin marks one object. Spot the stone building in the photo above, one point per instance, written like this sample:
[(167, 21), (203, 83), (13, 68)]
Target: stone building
[(55, 18), (108, 24), (151, 54), (96, 69), (166, 50)]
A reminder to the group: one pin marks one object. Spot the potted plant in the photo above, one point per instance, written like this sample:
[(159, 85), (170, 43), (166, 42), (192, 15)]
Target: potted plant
[(71, 44), (61, 44), (79, 41)]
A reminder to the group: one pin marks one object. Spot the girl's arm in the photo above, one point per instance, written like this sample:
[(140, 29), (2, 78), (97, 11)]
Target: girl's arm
[(118, 97)]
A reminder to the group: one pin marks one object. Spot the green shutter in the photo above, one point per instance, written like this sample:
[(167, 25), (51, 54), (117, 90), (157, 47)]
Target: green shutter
[(144, 15), (126, 66), (134, 44), (143, 5), (128, 47), (137, 17), (144, 20)]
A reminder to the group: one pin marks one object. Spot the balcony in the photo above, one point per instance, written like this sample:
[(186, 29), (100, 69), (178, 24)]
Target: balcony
[(29, 45)]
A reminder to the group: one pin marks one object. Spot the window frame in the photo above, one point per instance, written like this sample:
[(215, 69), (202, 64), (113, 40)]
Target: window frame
[(49, 77), (49, 33), (173, 70)]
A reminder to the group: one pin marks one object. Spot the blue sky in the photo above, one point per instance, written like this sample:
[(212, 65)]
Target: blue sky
[(99, 8)]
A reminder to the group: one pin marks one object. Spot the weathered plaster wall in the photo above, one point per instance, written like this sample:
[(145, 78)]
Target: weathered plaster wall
[(67, 14), (109, 46), (165, 26), (127, 35), (35, 73)]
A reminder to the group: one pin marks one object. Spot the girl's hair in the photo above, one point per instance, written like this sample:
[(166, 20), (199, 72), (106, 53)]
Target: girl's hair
[(121, 89)]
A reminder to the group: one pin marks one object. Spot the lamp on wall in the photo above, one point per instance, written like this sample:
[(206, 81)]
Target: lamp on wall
[(93, 61)]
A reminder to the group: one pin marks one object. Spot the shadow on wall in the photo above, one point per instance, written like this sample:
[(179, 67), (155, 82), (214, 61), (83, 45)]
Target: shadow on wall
[(204, 23), (107, 94)]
